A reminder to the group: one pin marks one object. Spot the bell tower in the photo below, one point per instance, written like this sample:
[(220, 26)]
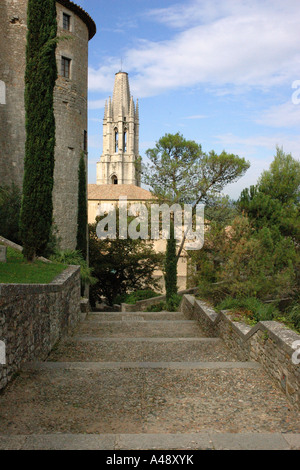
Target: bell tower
[(118, 163)]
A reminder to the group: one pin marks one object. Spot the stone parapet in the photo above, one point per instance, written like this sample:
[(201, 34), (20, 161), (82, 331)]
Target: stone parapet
[(33, 317), (270, 343)]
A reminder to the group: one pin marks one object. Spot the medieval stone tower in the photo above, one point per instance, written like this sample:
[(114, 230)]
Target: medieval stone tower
[(118, 164), (70, 105)]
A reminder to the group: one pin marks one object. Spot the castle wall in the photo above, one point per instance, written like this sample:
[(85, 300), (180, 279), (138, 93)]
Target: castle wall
[(12, 69), (70, 107)]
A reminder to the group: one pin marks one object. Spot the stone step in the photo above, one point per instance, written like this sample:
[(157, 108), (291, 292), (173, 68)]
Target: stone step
[(188, 441), (138, 316), (136, 329), (147, 399), (99, 366), (141, 349)]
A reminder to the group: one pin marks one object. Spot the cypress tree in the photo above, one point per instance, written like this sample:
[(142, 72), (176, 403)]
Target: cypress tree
[(40, 77), (82, 209), (171, 265)]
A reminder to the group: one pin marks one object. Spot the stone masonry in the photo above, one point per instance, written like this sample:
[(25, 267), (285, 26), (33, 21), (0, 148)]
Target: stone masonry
[(268, 342), (142, 380), (34, 317), (120, 137), (70, 102)]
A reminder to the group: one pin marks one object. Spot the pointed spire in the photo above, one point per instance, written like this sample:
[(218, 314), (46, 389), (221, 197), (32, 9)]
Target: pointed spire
[(137, 111), (121, 94)]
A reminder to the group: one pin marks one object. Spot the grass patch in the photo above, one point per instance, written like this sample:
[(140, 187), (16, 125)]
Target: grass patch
[(18, 271)]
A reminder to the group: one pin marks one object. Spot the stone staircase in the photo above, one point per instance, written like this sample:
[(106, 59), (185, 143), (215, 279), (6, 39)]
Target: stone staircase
[(145, 381)]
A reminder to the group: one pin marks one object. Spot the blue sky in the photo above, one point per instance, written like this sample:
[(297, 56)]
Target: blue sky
[(220, 72)]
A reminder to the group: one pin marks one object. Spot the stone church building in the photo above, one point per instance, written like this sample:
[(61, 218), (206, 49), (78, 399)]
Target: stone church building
[(118, 169), (70, 104)]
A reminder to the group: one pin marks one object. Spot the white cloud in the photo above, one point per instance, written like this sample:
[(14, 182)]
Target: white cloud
[(242, 43), (283, 115), (248, 146), (251, 146)]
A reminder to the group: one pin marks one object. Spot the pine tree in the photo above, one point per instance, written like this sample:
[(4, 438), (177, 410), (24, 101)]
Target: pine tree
[(82, 209), (40, 77), (171, 265)]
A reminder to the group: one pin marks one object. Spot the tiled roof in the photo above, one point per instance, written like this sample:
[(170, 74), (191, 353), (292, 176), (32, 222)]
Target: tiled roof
[(111, 192)]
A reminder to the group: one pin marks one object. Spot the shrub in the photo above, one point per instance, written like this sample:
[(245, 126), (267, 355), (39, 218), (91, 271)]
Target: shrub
[(136, 296), (170, 305), (293, 314), (73, 257), (251, 307)]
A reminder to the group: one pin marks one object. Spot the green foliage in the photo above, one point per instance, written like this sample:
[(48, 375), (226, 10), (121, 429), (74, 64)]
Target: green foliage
[(173, 167), (170, 268), (18, 271), (256, 258), (172, 305), (293, 314), (220, 209), (40, 77), (10, 205), (180, 172), (251, 308), (135, 296), (121, 266), (159, 307), (275, 201), (282, 180), (82, 216), (74, 258)]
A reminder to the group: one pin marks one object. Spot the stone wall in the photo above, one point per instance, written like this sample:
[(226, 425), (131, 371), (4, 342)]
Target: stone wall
[(70, 106), (34, 317), (269, 342)]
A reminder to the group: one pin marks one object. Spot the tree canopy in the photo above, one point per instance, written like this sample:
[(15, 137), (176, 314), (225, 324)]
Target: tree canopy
[(180, 172), (121, 265)]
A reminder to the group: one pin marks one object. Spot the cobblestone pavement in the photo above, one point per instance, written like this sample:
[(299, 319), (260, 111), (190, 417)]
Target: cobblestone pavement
[(145, 381)]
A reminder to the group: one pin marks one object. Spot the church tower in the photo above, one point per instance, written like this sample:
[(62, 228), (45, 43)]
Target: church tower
[(118, 164)]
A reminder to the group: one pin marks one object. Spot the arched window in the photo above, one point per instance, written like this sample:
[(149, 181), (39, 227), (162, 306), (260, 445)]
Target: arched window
[(114, 179), (116, 140), (125, 141)]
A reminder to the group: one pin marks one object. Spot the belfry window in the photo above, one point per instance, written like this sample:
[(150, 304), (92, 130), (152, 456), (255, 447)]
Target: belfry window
[(114, 179), (116, 140), (125, 141)]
